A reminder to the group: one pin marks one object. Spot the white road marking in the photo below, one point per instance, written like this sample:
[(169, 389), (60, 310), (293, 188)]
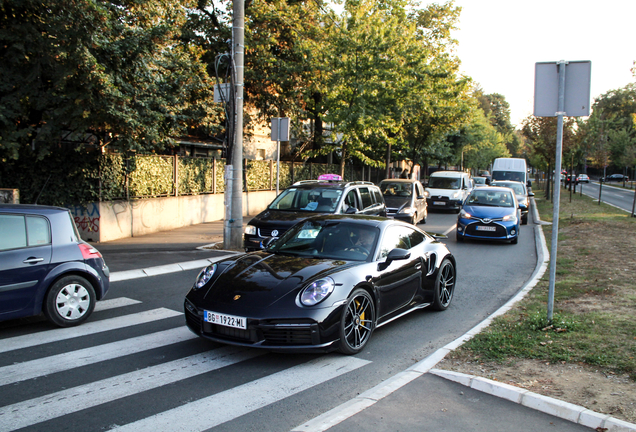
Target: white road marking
[(34, 411), (114, 303), (67, 361), (214, 410), (85, 329)]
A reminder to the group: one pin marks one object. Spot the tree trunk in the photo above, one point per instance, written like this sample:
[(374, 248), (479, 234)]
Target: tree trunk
[(343, 159)]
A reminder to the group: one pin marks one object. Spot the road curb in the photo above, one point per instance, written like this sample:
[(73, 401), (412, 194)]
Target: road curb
[(565, 410)]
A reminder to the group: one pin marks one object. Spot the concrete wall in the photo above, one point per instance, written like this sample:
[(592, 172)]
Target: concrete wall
[(112, 220)]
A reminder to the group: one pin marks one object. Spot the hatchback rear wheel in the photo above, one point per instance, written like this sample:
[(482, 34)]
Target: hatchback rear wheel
[(70, 301)]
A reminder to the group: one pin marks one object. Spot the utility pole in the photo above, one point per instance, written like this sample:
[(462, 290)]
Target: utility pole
[(233, 227)]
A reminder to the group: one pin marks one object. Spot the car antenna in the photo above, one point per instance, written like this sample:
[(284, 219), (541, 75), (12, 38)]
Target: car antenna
[(42, 190)]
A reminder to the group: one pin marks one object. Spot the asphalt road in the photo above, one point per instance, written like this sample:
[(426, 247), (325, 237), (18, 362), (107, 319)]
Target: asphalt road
[(610, 194), (134, 363)]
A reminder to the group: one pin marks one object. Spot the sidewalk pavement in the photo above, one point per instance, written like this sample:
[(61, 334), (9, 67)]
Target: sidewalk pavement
[(417, 399)]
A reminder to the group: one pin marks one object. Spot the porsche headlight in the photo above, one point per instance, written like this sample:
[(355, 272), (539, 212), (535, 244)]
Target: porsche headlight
[(250, 229), (204, 276), (317, 291)]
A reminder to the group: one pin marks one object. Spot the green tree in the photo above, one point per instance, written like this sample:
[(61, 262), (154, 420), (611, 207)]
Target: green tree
[(99, 72), (437, 101)]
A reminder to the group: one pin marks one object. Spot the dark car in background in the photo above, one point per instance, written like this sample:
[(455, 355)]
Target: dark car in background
[(46, 268), (522, 194), (308, 198), (615, 177), (490, 213), (405, 200), (325, 285)]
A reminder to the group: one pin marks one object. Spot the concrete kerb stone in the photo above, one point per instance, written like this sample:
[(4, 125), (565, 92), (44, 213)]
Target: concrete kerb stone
[(548, 405)]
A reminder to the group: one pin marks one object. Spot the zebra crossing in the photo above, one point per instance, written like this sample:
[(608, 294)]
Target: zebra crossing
[(35, 393)]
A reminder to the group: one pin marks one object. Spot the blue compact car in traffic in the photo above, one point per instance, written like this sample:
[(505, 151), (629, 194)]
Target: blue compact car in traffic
[(490, 213), (46, 268)]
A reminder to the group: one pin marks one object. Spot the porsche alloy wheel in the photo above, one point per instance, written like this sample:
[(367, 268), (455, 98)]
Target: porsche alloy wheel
[(444, 286), (356, 324)]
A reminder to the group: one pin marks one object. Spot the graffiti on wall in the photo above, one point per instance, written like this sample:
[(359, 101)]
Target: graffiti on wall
[(87, 220)]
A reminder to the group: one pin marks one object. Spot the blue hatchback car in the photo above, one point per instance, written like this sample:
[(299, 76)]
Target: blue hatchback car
[(490, 213), (46, 268)]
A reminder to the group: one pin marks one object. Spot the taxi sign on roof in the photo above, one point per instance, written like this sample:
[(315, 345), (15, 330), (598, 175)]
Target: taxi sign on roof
[(330, 177)]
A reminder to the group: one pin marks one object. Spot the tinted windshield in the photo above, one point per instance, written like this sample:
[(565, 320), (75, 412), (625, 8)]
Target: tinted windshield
[(328, 239), (509, 175), (396, 189), (315, 200), (485, 197), (444, 182)]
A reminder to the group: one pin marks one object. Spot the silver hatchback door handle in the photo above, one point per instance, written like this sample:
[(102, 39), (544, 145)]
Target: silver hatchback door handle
[(32, 260)]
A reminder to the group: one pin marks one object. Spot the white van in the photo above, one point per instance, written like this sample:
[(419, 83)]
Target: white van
[(448, 189), (510, 169)]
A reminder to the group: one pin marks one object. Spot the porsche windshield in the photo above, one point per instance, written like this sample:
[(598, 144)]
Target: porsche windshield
[(328, 239), (316, 200)]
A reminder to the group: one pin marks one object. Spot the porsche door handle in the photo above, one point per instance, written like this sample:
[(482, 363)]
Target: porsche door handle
[(418, 266), (33, 260)]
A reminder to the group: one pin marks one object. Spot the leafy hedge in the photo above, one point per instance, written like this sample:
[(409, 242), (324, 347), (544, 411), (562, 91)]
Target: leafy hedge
[(69, 176)]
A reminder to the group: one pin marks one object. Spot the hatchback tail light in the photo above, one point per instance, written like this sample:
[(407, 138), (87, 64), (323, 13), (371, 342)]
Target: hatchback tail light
[(89, 251)]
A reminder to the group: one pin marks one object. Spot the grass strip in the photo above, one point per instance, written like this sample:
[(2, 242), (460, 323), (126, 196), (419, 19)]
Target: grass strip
[(595, 296)]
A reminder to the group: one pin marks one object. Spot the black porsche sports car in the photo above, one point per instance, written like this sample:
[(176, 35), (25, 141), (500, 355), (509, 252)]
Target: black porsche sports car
[(325, 285)]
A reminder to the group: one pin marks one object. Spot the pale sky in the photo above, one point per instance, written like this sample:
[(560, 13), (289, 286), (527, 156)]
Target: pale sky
[(501, 40)]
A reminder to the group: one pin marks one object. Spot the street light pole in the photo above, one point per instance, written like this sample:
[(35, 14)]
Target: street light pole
[(233, 232)]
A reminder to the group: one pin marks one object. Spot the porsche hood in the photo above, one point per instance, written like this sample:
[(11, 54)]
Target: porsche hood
[(263, 279)]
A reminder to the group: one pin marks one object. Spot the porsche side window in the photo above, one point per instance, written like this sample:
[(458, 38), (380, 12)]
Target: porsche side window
[(395, 237), (416, 238)]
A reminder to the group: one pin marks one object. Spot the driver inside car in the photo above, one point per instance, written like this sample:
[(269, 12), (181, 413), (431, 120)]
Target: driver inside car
[(364, 239)]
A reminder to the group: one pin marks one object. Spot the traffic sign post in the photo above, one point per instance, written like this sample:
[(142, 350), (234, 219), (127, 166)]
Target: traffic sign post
[(554, 96)]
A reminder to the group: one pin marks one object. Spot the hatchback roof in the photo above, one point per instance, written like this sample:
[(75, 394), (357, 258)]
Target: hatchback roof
[(30, 208)]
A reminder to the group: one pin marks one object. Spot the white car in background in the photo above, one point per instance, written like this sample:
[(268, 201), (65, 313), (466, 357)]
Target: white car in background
[(583, 178)]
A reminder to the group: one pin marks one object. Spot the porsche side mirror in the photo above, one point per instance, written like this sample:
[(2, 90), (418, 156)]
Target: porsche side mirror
[(395, 255)]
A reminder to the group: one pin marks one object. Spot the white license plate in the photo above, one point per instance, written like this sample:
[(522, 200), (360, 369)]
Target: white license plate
[(439, 202), (486, 228), (225, 320)]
